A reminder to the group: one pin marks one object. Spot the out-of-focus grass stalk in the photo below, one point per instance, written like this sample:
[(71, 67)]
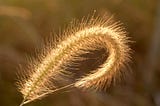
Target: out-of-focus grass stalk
[(153, 56), (15, 11), (21, 16)]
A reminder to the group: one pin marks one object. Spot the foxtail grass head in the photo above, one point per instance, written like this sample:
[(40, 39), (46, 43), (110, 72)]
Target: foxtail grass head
[(87, 35)]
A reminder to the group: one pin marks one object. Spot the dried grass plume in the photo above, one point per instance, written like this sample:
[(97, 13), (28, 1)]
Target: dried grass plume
[(91, 33)]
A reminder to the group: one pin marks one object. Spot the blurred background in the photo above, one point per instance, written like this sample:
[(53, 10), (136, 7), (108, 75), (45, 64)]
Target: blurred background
[(25, 23)]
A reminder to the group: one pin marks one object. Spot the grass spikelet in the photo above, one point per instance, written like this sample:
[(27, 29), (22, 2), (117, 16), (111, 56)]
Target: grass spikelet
[(81, 37)]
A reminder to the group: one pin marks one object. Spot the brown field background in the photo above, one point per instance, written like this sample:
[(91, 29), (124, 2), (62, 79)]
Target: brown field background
[(25, 23)]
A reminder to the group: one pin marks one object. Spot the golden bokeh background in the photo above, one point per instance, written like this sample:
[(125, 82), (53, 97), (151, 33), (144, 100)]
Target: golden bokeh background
[(25, 23)]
